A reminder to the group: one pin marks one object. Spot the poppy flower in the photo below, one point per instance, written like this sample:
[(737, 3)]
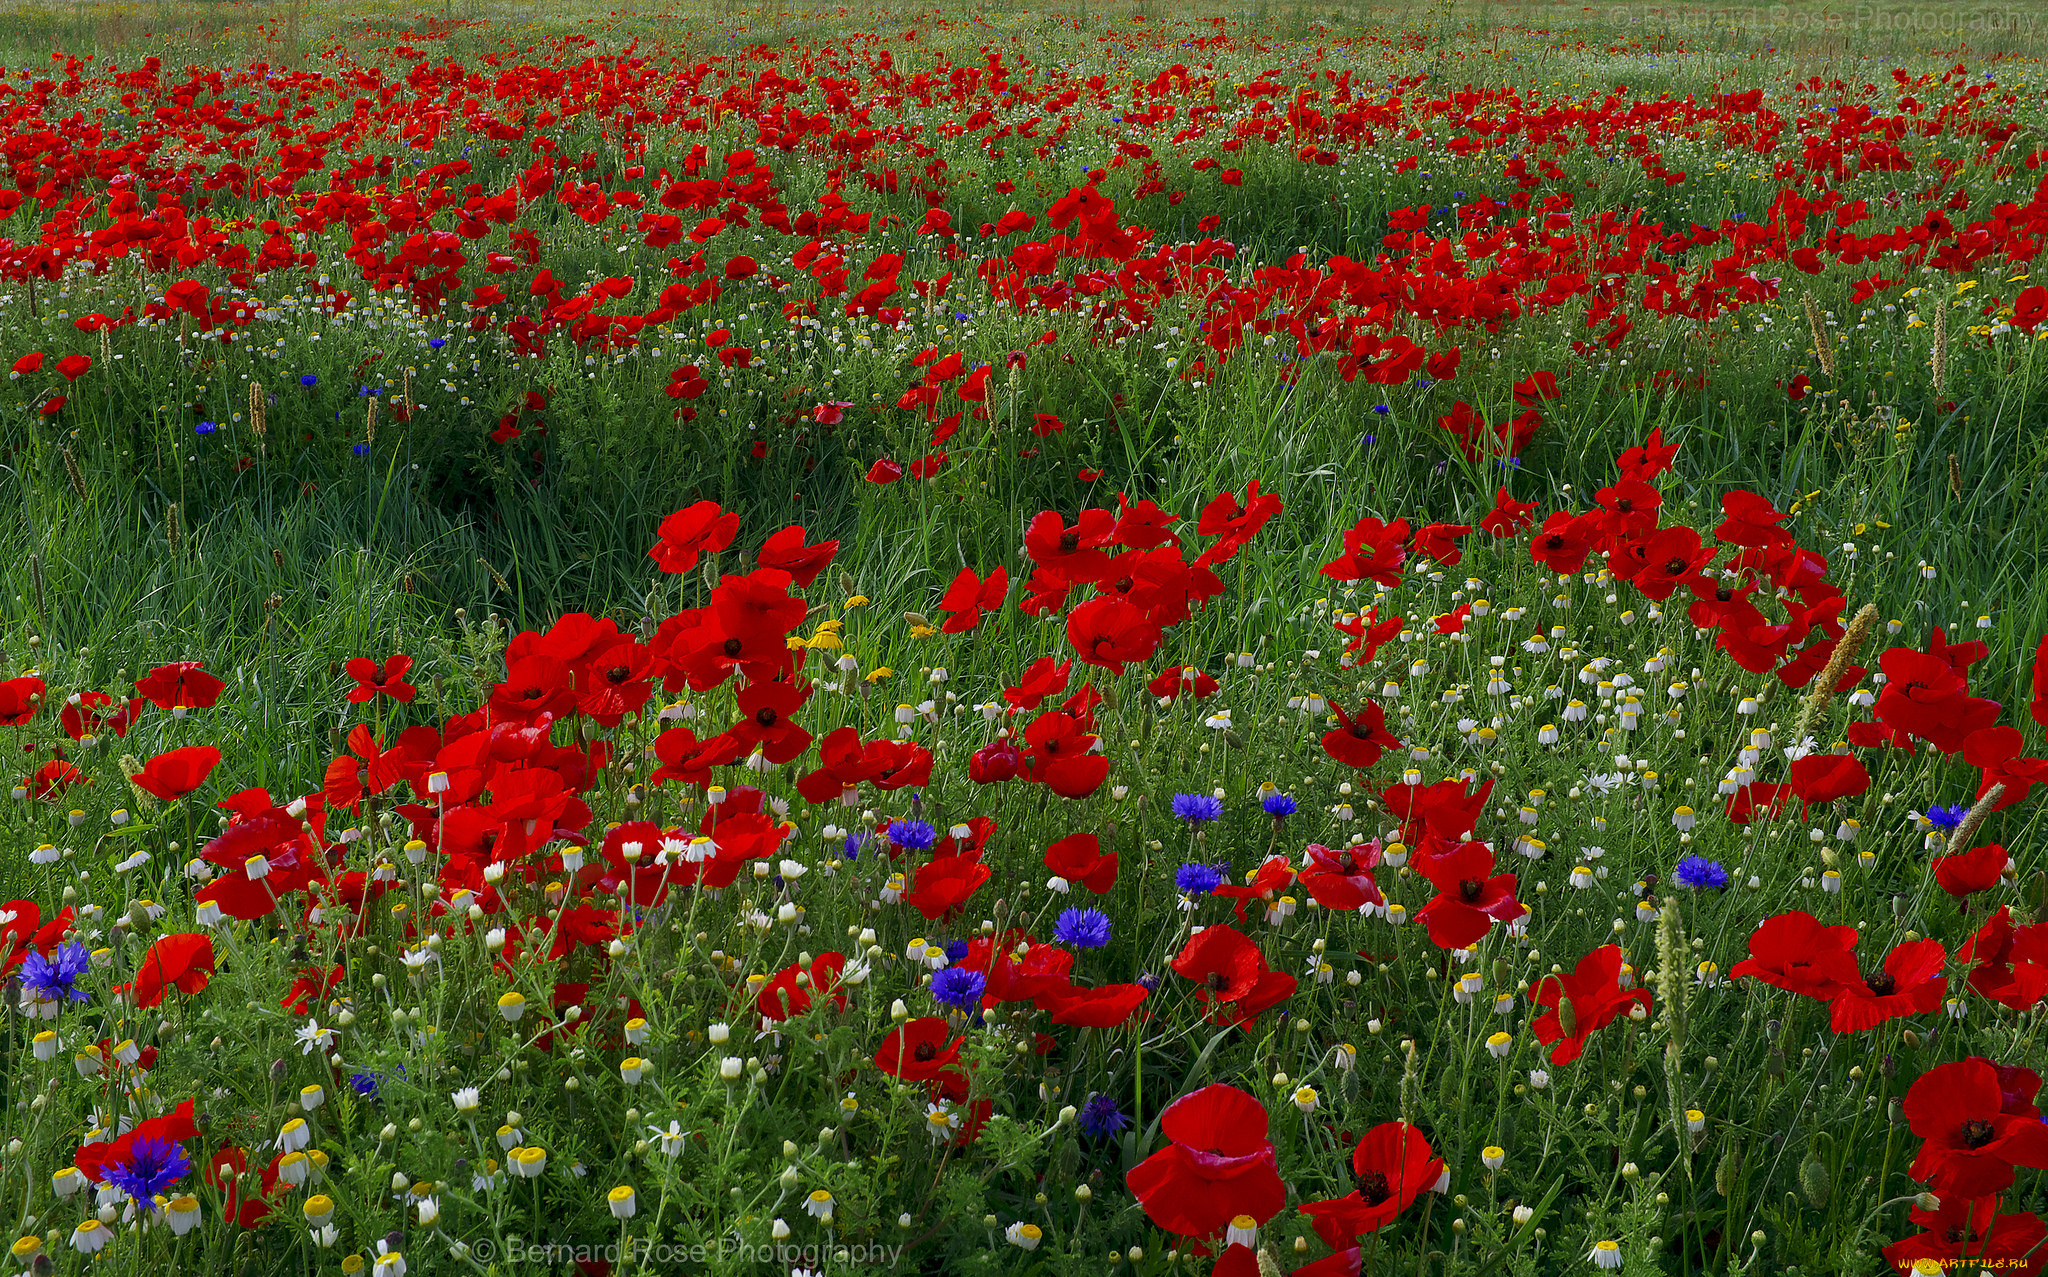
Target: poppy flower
[(1974, 1132), (1661, 562), (97, 1160), (173, 775), (885, 471), (1997, 752), (1342, 878), (1925, 695), (1373, 551), (180, 686), (1217, 1166), (1757, 799), (970, 595), (793, 989), (765, 722), (941, 887), (1508, 515), (1822, 778), (1910, 983), (1100, 1007), (917, 1050), (90, 713), (1647, 460), (2008, 964), (1393, 1165), (1439, 541), (373, 680), (1966, 1233), (1110, 632), (19, 699), (181, 962), (785, 551), (1080, 858), (692, 532), (29, 363), (1797, 953), (1587, 999), (1182, 680), (1359, 739), (1469, 898), (1965, 873), (72, 367)]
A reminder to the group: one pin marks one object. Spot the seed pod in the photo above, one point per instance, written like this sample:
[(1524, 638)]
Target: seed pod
[(1774, 1063), (1815, 1182), (1725, 1171)]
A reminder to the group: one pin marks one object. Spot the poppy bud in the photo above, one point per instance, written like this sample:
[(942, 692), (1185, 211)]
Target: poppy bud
[(1815, 1182)]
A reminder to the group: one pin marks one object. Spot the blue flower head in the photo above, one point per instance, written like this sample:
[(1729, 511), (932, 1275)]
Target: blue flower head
[(854, 842), (151, 1166), (362, 449), (1947, 817), (958, 987), (913, 835), (956, 951), (1279, 806), (1101, 1118), (205, 428), (1700, 873), (1082, 928), (55, 978), (308, 379), (435, 343), (365, 1083), (1196, 808), (1199, 880)]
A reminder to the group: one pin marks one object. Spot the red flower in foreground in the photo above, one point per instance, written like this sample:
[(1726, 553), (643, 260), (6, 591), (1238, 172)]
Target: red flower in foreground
[(1220, 1165), (1231, 974), (1394, 1165), (917, 1050), (1469, 898), (373, 680), (1360, 739), (1911, 983), (183, 962), (173, 775), (1822, 778), (19, 698), (1797, 953), (692, 532), (1968, 872), (1079, 858), (180, 686), (1587, 999), (1969, 1233), (1978, 1122), (969, 596)]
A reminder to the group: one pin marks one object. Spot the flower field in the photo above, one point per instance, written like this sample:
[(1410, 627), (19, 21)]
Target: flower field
[(1066, 641)]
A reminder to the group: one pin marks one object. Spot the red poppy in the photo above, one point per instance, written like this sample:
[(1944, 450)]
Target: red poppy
[(1664, 560), (2008, 964), (1342, 879), (1359, 739), (181, 962), (1469, 898), (1182, 680), (180, 686), (1757, 799), (1797, 953), (72, 367), (1966, 1233), (19, 699), (171, 776), (942, 886), (1439, 541), (793, 989), (1508, 515), (173, 1127), (1647, 461), (969, 596), (1373, 551), (1822, 778), (1102, 1007), (765, 721), (1394, 1165), (692, 532), (1219, 1165), (885, 471), (1926, 695), (1911, 983), (1235, 524), (1594, 996), (917, 1050), (1977, 1124), (1080, 858), (1240, 1260), (89, 713), (1997, 752), (1965, 873), (1111, 632), (373, 680), (785, 551)]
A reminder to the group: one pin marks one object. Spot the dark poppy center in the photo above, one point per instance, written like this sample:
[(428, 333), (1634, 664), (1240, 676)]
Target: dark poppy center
[(1674, 566), (1626, 505), (1373, 1187), (618, 674), (924, 1052), (1471, 889), (1553, 542), (1345, 862), (732, 647), (1977, 1132), (1881, 983), (1723, 594), (765, 716), (1070, 541), (533, 693), (1218, 982)]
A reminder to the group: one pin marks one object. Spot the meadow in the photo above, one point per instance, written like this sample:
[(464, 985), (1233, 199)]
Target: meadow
[(1301, 639)]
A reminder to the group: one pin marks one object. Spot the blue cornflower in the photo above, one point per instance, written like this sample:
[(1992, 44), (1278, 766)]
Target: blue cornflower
[(854, 842), (913, 835), (205, 428), (55, 979), (1700, 873), (1383, 409), (959, 987), (1101, 1118), (152, 1165), (1082, 928), (362, 449), (1279, 806), (435, 343), (1199, 880), (956, 951), (1196, 808), (308, 379), (365, 1083), (1947, 817)]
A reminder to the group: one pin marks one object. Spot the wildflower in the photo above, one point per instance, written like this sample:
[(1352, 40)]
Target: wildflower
[(819, 1205), (90, 1236), (1279, 806), (622, 1202), (1197, 808), (959, 988), (1100, 1118), (149, 1165), (1606, 1254), (55, 979), (1200, 880), (1947, 818), (1493, 1157), (911, 835), (1082, 928), (1024, 1236), (1700, 873)]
